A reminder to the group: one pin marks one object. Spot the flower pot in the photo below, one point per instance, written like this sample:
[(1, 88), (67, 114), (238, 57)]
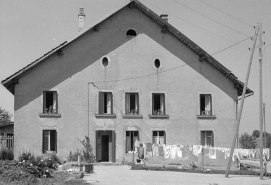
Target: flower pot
[(88, 168)]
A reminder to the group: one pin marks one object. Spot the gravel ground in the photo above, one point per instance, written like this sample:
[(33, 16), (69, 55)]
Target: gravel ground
[(122, 175)]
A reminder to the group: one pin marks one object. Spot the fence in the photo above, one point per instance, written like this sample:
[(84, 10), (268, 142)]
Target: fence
[(6, 142)]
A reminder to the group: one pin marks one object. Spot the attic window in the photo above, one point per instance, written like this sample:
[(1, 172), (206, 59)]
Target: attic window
[(131, 33), (157, 63), (105, 61)]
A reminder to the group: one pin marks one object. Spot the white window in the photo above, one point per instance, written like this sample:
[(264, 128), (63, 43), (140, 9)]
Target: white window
[(206, 107), (159, 137), (49, 140), (50, 102), (207, 138), (158, 104), (131, 137), (131, 103), (105, 103)]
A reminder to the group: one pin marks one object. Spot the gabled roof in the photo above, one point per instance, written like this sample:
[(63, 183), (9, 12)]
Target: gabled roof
[(12, 80)]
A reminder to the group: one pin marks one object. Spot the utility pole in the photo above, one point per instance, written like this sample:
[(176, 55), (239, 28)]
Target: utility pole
[(260, 101), (264, 124), (242, 103)]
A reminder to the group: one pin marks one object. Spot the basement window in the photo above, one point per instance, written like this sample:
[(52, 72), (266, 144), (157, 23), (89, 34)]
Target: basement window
[(206, 108), (131, 104), (105, 103), (131, 33), (159, 137), (131, 137), (50, 102), (207, 138), (157, 63), (158, 104), (49, 141)]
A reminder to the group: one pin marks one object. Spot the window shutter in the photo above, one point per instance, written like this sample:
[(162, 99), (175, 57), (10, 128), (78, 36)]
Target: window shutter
[(44, 101), (152, 104), (128, 141), (137, 103), (113, 146), (212, 134), (101, 103), (127, 103), (96, 147), (56, 141)]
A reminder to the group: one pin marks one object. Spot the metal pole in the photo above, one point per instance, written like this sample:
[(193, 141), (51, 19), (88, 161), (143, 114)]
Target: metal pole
[(242, 103), (260, 101), (264, 124)]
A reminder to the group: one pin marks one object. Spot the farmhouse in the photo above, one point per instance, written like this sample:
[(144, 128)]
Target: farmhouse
[(131, 76)]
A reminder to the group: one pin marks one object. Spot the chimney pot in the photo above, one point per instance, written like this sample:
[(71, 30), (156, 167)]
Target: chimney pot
[(164, 17)]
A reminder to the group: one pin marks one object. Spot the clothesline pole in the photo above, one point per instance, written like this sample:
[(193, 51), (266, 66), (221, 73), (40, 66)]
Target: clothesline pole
[(202, 158), (242, 103)]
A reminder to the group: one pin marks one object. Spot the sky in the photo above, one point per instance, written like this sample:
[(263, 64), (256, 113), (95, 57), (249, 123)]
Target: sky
[(31, 28)]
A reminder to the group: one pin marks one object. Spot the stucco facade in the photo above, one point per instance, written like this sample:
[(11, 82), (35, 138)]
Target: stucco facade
[(78, 75)]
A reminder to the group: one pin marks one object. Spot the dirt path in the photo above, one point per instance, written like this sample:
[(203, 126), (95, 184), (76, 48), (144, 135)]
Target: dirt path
[(122, 175)]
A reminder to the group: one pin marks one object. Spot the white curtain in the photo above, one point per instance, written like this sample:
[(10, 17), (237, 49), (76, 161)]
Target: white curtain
[(162, 103), (54, 102), (208, 103), (136, 103), (108, 103)]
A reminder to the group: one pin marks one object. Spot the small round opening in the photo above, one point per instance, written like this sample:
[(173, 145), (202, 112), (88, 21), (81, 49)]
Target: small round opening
[(105, 61), (131, 33), (157, 63)]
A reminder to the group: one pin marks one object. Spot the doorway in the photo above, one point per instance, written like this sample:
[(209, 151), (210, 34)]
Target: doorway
[(105, 146)]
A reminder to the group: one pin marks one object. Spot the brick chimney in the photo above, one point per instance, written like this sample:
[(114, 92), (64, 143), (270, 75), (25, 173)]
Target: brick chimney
[(81, 19)]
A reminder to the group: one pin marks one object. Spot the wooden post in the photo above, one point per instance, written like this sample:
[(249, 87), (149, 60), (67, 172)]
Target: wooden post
[(242, 103), (260, 101)]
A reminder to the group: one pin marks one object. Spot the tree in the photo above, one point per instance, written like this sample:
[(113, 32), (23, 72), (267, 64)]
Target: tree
[(247, 141), (5, 116), (256, 133)]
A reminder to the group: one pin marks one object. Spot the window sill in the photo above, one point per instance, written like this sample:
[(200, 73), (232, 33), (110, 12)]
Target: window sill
[(206, 117), (158, 116), (49, 115), (105, 116), (132, 116)]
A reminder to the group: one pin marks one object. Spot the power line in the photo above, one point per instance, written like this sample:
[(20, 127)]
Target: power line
[(189, 22), (225, 13), (208, 17), (230, 46)]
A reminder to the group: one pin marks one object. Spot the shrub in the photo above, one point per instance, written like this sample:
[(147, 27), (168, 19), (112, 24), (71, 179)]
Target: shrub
[(74, 156), (6, 154), (88, 155)]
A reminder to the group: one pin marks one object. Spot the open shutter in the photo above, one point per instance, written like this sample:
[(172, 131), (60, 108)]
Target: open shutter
[(101, 103), (127, 103), (137, 103), (113, 146), (152, 104), (128, 141), (96, 147), (44, 101), (109, 100), (212, 134)]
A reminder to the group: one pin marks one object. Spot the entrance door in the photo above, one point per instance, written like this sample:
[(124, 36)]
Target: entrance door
[(105, 147)]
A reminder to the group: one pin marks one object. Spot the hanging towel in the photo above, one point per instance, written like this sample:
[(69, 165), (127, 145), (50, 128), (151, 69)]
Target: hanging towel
[(179, 152), (197, 150), (166, 151), (212, 153), (173, 151)]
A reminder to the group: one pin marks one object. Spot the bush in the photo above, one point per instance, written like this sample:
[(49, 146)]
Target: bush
[(6, 154), (88, 155)]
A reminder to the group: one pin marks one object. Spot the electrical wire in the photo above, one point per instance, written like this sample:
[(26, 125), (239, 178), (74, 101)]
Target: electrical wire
[(230, 46), (189, 22), (199, 13), (225, 13)]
